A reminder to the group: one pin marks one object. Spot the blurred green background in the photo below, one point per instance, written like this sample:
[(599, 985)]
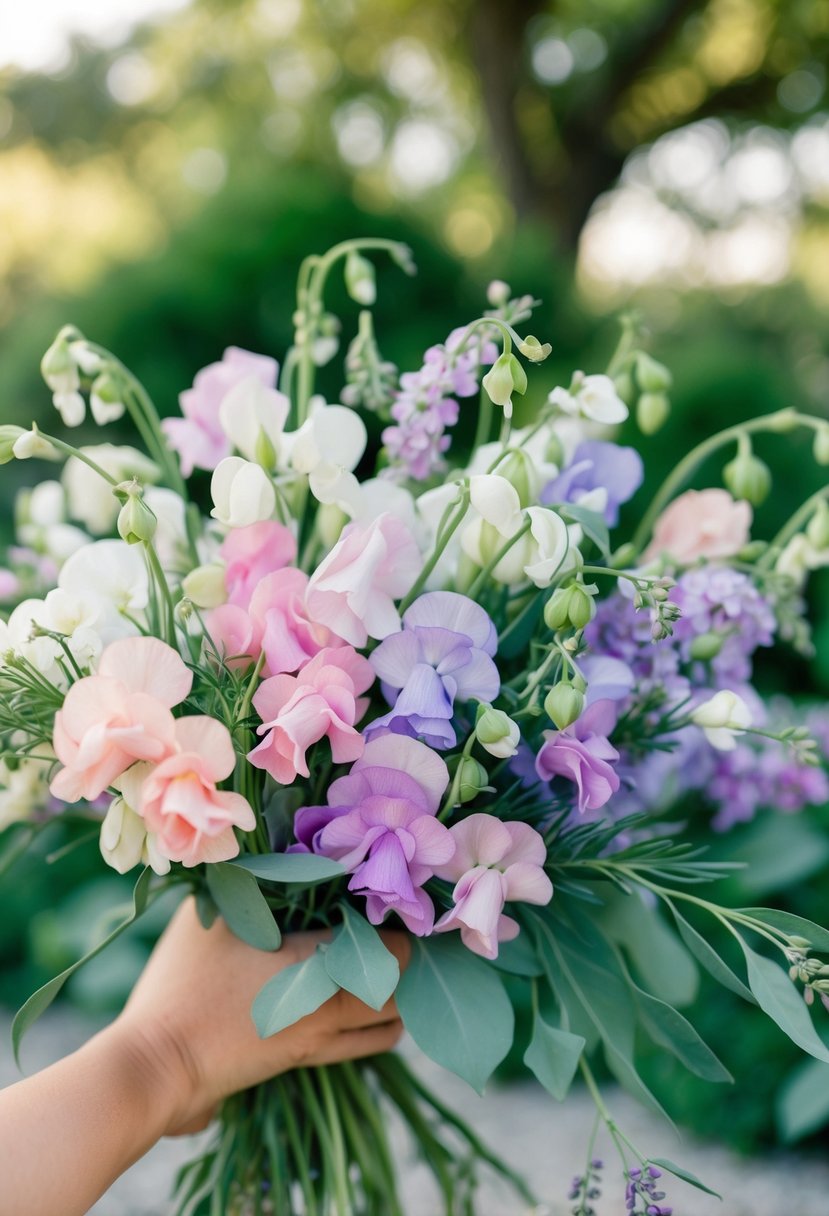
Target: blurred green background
[(164, 166)]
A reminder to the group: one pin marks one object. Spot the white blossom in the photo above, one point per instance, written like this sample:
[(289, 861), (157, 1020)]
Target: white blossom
[(242, 493)]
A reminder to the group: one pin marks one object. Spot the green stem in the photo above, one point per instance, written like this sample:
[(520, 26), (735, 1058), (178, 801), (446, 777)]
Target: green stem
[(160, 580), (68, 450), (449, 524), (793, 526), (480, 579)]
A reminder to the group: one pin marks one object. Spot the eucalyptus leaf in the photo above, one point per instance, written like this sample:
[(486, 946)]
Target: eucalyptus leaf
[(661, 960), (242, 905), (454, 1006), (592, 524), (292, 994), (40, 1001), (795, 926), (803, 1103), (518, 957), (706, 955), (778, 997), (553, 1056), (685, 1175), (358, 961), (669, 1029), (304, 868)]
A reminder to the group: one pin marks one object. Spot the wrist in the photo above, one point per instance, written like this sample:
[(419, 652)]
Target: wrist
[(157, 1070)]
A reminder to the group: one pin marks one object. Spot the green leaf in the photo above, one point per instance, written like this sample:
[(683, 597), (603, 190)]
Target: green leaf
[(669, 1029), (592, 524), (40, 1001), (795, 926), (358, 961), (519, 957), (777, 851), (662, 962), (454, 1006), (707, 956), (304, 868), (685, 1175), (553, 1056), (803, 1103), (205, 909), (243, 906), (778, 997), (292, 994)]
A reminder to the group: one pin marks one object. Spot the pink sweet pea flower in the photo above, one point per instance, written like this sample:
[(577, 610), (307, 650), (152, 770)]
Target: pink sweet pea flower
[(198, 437), (253, 552), (381, 824), (700, 523), (118, 716), (582, 754), (354, 589), (190, 820), (323, 700), (233, 634), (494, 862)]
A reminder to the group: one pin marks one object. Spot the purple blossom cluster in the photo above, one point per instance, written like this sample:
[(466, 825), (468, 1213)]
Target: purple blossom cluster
[(642, 1187), (717, 599), (426, 405)]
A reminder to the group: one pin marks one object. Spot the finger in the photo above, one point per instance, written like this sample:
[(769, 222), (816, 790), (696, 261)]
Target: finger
[(356, 1044), (399, 944), (349, 1013)]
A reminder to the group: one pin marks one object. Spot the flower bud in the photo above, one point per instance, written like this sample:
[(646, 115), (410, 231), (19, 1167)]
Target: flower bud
[(31, 445), (402, 256), (497, 293), (518, 469), (651, 411), (570, 606), (783, 421), (817, 529), (9, 436), (136, 522), (242, 493), (505, 377), (820, 447), (106, 399), (360, 282), (625, 388), (58, 367), (653, 377), (707, 646), (563, 704), (721, 718), (534, 350), (496, 732), (748, 477), (205, 586), (473, 779)]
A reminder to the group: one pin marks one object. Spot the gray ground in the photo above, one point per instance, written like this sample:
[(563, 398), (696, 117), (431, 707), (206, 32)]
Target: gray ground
[(545, 1141)]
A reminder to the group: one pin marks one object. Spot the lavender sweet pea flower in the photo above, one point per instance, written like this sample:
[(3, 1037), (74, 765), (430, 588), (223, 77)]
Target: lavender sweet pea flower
[(443, 654), (597, 465), (583, 754), (380, 823)]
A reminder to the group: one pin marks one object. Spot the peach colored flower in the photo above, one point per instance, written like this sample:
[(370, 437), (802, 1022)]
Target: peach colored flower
[(700, 523), (191, 821), (122, 714), (322, 700)]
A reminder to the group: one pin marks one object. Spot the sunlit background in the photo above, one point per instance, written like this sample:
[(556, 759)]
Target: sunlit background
[(166, 164)]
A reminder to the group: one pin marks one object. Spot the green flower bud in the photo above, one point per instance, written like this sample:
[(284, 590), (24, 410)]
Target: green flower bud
[(653, 377), (817, 529), (505, 377), (136, 522), (623, 383), (402, 256), (707, 646), (497, 293), (746, 476), (783, 421), (571, 606), (519, 376), (753, 550), (360, 279), (473, 779), (205, 586), (554, 451), (651, 411), (534, 350), (563, 704), (518, 469), (496, 732), (58, 366), (106, 398), (820, 448), (9, 436)]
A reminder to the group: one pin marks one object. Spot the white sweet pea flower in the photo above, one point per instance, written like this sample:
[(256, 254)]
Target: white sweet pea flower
[(89, 497), (722, 718), (32, 446), (799, 558), (497, 502), (328, 447), (242, 493), (206, 585), (40, 515), (551, 540), (253, 417), (23, 790), (125, 842), (113, 574), (591, 397)]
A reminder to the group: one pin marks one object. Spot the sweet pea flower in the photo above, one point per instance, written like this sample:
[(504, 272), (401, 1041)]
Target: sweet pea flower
[(242, 493), (322, 701), (582, 754), (89, 498), (380, 824), (253, 417), (353, 590), (443, 653), (253, 552), (538, 555), (114, 574), (700, 524), (722, 718), (125, 841), (328, 447), (614, 473), (591, 397), (493, 863), (191, 820), (24, 790), (198, 437), (118, 716)]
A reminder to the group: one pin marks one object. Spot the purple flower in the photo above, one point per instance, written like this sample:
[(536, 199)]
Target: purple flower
[(380, 823), (762, 775), (582, 754), (426, 405), (717, 599), (597, 465), (442, 654)]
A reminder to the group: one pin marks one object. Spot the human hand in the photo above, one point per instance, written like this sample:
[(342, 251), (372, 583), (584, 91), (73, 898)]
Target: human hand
[(188, 1021)]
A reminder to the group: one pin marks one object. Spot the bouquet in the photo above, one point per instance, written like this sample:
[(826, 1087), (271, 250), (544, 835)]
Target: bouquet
[(401, 675)]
